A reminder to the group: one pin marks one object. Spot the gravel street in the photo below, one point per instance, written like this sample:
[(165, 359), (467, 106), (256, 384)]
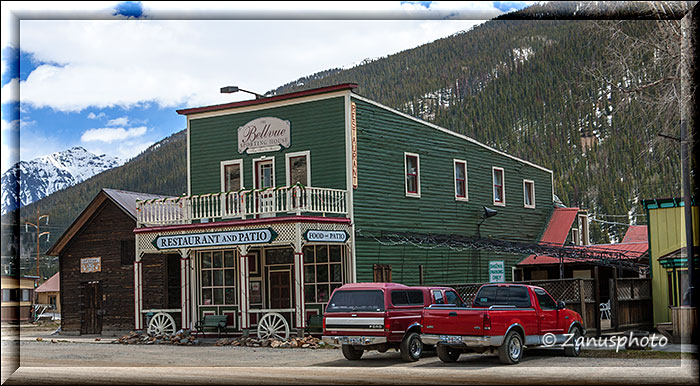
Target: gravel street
[(84, 361)]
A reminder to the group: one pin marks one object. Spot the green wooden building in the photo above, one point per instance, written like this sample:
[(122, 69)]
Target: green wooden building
[(292, 195)]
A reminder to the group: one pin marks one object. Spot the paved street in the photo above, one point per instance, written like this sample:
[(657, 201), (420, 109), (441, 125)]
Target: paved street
[(84, 361)]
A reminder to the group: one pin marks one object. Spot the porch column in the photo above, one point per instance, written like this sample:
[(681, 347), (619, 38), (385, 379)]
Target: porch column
[(138, 291), (185, 288), (244, 280), (299, 307)]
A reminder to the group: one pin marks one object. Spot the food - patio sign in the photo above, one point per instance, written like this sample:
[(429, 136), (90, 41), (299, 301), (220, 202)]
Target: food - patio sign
[(214, 239), (264, 134)]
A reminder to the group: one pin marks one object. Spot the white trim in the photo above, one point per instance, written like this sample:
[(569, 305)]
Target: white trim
[(503, 181), (189, 174), (466, 179), (269, 105), (405, 173), (434, 126), (306, 154), (223, 168), (534, 203), (585, 230), (575, 236), (255, 166)]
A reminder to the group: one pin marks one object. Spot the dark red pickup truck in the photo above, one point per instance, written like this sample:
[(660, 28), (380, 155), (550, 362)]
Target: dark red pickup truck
[(380, 316), (503, 317)]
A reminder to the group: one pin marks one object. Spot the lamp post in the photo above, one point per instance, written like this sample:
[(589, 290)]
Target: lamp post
[(488, 212), (232, 89)]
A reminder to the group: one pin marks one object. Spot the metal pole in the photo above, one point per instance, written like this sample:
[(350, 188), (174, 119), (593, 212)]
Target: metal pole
[(688, 28)]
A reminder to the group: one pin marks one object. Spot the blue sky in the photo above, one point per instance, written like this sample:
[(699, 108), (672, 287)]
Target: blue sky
[(111, 80)]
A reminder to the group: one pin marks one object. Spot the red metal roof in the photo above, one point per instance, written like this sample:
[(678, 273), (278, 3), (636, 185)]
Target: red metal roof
[(559, 226), (632, 251), (635, 234), (51, 285), (275, 98)]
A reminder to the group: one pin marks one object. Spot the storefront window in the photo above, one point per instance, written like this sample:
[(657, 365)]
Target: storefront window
[(218, 277), (322, 272)]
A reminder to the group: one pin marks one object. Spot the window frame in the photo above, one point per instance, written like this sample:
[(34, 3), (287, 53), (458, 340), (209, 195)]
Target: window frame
[(503, 186), (255, 170), (455, 162), (525, 190), (417, 193), (222, 171), (212, 287), (288, 169)]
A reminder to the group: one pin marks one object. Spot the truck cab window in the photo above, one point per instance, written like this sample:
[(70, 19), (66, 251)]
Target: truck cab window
[(452, 298), (438, 297), (546, 301)]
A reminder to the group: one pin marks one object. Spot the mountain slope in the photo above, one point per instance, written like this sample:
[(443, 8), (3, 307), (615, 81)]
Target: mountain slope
[(42, 176)]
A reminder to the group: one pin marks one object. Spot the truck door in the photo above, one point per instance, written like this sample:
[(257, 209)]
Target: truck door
[(548, 313)]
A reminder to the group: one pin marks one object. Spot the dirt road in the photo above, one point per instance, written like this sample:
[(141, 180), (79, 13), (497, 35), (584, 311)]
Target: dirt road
[(85, 363)]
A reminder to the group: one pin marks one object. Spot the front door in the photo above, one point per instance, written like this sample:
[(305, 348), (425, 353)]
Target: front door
[(92, 306), (280, 289), (265, 178)]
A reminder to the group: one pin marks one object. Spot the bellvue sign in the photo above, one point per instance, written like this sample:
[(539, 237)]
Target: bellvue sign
[(213, 239), (264, 134)]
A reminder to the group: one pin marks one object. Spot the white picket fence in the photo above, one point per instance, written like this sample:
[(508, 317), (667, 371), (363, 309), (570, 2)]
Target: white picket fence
[(231, 205)]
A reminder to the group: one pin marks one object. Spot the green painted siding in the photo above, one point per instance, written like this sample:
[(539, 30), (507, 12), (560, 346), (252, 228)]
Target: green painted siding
[(380, 203), (317, 126)]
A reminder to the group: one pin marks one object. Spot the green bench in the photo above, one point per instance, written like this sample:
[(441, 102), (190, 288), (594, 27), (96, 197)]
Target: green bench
[(212, 322), (314, 326)]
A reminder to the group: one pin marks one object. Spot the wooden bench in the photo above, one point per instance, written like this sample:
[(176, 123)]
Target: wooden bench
[(314, 326), (212, 322)]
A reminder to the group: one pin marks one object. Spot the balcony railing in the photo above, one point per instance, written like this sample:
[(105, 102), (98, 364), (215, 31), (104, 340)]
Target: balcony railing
[(243, 204)]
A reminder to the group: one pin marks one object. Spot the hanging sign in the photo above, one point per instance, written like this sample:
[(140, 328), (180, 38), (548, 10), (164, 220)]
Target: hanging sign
[(91, 264), (353, 139), (212, 239), (264, 134), (317, 236), (497, 272)]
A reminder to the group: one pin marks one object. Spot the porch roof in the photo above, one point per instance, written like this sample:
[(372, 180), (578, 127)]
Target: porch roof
[(257, 221)]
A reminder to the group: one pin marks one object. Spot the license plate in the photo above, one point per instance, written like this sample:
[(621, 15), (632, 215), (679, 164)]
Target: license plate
[(353, 340), (450, 339)]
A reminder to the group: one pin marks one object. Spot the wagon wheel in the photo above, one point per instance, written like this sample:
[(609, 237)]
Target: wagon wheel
[(161, 324), (273, 325)]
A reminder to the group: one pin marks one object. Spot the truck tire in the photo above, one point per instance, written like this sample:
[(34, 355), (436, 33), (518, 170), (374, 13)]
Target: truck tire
[(351, 353), (411, 347), (447, 354), (511, 350), (573, 349)]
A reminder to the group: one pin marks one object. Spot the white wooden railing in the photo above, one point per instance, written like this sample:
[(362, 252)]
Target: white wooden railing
[(243, 204)]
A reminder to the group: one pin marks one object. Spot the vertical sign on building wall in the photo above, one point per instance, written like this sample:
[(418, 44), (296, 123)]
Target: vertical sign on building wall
[(497, 272), (353, 134)]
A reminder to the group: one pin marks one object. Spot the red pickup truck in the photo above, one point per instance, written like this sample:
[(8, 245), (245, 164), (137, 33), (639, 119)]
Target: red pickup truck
[(380, 316), (503, 317)]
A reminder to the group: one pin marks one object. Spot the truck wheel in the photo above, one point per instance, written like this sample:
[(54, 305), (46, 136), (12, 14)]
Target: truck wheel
[(511, 350), (447, 354), (574, 348), (351, 353), (411, 347)]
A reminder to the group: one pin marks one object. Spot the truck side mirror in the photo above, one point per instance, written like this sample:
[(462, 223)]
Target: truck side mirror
[(561, 305)]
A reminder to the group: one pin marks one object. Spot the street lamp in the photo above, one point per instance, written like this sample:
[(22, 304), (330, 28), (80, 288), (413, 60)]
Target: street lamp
[(232, 89)]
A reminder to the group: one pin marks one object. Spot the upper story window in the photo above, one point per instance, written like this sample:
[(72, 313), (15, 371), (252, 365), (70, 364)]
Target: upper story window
[(461, 192), (529, 193), (298, 168), (231, 175), (499, 187), (412, 171)]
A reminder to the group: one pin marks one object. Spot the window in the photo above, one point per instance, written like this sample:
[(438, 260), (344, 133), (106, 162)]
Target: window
[(407, 298), (529, 192), (231, 175), (583, 223), (26, 295), (298, 168), (5, 295), (128, 251), (323, 272), (412, 170), (546, 301), (218, 277), (437, 295), (382, 273), (368, 301), (499, 189), (451, 297), (575, 239), (461, 180), (516, 296)]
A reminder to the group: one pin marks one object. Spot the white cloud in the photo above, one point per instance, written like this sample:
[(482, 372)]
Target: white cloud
[(111, 134), (121, 121), (96, 116), (107, 63), (124, 150), (9, 91)]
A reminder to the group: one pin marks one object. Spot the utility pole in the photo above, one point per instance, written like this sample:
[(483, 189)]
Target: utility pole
[(39, 216)]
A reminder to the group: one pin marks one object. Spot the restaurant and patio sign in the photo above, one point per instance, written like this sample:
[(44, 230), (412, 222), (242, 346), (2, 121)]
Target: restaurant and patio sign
[(317, 236), (214, 239), (264, 134)]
